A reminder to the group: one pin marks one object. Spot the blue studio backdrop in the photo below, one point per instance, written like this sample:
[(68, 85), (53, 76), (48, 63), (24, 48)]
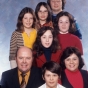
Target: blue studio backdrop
[(9, 10)]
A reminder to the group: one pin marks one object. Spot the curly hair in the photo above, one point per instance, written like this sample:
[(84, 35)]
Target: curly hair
[(37, 47), (72, 27), (69, 51), (20, 18), (63, 3)]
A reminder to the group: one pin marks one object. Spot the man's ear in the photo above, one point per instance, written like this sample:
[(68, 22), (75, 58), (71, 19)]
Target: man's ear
[(43, 77)]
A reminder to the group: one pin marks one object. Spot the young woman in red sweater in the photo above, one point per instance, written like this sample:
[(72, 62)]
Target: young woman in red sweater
[(46, 47), (65, 26)]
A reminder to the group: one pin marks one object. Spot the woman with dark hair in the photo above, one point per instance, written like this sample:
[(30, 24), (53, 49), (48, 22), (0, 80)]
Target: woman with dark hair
[(56, 7), (51, 74), (72, 75), (25, 34), (46, 47), (65, 27), (43, 15)]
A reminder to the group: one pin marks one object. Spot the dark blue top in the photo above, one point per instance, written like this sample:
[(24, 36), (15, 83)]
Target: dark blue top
[(47, 53)]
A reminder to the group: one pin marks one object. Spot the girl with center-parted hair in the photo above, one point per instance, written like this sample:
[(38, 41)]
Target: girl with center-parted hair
[(43, 15), (72, 76), (25, 34), (51, 74), (65, 26), (46, 47)]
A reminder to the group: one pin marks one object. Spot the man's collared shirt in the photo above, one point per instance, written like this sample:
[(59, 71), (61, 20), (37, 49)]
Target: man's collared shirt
[(26, 76)]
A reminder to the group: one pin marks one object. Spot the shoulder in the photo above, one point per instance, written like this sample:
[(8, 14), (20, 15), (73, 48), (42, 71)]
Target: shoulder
[(34, 30), (84, 72), (36, 69), (15, 33), (9, 71), (60, 86), (63, 74), (42, 86), (74, 37), (59, 51)]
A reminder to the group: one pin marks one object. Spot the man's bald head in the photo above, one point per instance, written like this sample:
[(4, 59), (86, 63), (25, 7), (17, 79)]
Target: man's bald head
[(24, 59), (22, 49)]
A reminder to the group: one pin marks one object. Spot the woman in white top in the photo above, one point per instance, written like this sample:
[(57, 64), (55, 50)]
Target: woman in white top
[(51, 74)]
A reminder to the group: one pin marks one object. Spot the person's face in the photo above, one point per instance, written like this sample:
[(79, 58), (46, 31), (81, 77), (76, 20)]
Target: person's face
[(72, 62), (56, 5), (27, 21), (63, 24), (24, 60), (46, 39), (43, 13), (51, 79)]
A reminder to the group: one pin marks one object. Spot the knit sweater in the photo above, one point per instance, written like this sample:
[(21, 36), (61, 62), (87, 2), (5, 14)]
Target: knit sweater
[(16, 42), (67, 40)]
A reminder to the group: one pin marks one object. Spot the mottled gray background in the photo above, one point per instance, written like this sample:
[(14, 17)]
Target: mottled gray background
[(9, 10)]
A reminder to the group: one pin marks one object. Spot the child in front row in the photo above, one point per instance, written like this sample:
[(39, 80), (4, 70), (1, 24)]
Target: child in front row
[(51, 74)]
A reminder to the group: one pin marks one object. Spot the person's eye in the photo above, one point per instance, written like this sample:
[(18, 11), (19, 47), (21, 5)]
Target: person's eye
[(44, 37), (28, 58), (31, 18), (20, 57), (40, 11), (54, 75), (67, 22), (67, 59), (60, 22), (75, 59), (25, 18), (45, 11), (48, 75), (50, 37)]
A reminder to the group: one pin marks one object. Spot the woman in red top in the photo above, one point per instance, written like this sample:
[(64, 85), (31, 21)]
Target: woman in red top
[(46, 46), (65, 26), (72, 75)]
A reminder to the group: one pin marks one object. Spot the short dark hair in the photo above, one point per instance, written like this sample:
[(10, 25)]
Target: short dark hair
[(69, 51), (52, 67), (72, 27), (63, 3), (37, 47), (20, 17), (49, 18)]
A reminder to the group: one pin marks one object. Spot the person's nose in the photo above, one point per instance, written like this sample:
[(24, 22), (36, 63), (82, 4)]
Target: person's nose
[(28, 20), (51, 78), (24, 60), (64, 24), (47, 39), (71, 61)]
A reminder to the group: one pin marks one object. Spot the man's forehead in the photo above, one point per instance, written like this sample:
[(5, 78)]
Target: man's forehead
[(24, 50), (55, 0)]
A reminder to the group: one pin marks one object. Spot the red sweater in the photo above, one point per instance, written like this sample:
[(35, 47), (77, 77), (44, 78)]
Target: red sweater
[(74, 78), (67, 40), (42, 59)]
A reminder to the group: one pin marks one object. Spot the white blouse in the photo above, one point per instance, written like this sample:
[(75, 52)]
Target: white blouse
[(58, 86)]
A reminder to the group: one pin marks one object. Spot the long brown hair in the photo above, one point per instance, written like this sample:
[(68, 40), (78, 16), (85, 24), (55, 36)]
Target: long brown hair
[(20, 17)]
